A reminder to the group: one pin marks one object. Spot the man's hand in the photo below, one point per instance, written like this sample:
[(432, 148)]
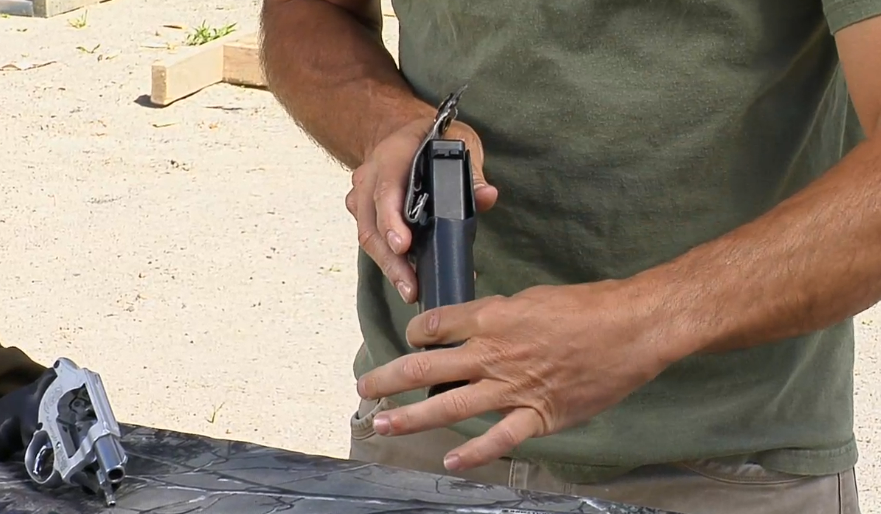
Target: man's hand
[(548, 358), (326, 64), (379, 187)]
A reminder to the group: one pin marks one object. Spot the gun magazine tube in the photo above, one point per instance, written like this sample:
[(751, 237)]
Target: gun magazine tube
[(444, 257)]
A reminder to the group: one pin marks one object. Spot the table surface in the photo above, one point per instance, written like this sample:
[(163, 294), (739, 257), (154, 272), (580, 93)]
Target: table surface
[(171, 472)]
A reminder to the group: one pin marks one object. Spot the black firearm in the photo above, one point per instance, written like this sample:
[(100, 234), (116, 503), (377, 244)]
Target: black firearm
[(440, 209)]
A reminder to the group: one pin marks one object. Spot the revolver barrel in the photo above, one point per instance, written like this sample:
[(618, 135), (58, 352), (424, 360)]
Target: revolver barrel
[(111, 458)]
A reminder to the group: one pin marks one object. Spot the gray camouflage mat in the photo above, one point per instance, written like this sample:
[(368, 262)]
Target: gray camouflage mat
[(174, 473)]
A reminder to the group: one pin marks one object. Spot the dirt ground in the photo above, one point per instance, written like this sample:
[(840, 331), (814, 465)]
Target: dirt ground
[(198, 256)]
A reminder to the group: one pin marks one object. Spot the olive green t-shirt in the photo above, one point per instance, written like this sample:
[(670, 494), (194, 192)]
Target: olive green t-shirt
[(620, 134)]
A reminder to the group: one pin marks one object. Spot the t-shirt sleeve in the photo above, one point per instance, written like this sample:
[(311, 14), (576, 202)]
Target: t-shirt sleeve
[(842, 13)]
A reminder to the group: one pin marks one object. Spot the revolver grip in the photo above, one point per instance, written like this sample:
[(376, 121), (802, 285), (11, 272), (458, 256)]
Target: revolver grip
[(445, 270)]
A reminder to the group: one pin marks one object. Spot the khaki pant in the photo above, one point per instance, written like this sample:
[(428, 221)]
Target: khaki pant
[(704, 487)]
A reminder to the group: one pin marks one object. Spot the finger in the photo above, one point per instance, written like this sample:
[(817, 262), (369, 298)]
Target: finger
[(352, 196), (389, 199), (358, 174), (352, 202), (418, 370), (394, 267), (442, 410), (498, 441), (448, 324), (485, 195)]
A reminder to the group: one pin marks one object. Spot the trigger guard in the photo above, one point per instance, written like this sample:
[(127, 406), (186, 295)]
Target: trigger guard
[(33, 456)]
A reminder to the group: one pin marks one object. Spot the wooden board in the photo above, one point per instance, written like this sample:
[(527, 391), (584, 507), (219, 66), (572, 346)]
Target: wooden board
[(234, 58), (241, 62), (187, 72), (43, 8), (17, 7)]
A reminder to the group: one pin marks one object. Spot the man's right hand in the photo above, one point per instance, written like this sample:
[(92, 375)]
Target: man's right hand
[(379, 187), (327, 56)]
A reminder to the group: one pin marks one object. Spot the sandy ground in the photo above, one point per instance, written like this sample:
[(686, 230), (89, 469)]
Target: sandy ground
[(198, 256)]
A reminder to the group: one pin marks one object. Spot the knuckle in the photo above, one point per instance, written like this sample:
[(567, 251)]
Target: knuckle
[(368, 238), (508, 398), (382, 190), (506, 437), (351, 202), (546, 411), (456, 405), (482, 320), (400, 423), (416, 368), (390, 266), (359, 174), (432, 322), (487, 313)]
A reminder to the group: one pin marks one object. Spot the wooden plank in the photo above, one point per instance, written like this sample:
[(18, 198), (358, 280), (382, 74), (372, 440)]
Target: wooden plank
[(188, 72), (17, 7), (50, 8), (241, 62)]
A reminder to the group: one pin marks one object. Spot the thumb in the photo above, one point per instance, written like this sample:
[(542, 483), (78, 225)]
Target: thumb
[(485, 195)]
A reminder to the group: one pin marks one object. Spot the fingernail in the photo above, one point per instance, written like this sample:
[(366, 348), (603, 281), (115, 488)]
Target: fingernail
[(381, 425), (403, 290), (451, 462), (394, 241)]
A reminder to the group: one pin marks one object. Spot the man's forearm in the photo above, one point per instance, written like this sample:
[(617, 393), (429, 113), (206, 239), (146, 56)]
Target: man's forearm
[(809, 263), (326, 64)]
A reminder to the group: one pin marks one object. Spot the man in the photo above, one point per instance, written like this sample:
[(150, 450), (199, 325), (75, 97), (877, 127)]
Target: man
[(679, 218)]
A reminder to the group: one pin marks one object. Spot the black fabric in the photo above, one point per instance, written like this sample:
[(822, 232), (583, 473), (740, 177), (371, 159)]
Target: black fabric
[(22, 384)]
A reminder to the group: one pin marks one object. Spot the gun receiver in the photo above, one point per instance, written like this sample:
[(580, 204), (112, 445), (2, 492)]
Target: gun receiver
[(441, 211), (77, 441)]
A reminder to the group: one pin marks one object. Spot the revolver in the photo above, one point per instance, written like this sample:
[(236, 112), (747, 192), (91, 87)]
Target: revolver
[(440, 211), (77, 438)]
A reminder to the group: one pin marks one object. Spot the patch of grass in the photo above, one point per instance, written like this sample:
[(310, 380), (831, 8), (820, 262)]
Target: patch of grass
[(81, 22), (205, 34), (86, 50), (214, 414)]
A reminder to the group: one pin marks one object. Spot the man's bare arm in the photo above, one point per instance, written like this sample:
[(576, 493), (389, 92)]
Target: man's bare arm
[(810, 262), (325, 63)]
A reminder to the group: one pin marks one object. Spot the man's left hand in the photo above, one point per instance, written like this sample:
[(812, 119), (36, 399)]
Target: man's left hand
[(548, 358)]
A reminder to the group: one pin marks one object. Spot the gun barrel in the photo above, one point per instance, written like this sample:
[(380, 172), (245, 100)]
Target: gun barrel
[(111, 458)]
